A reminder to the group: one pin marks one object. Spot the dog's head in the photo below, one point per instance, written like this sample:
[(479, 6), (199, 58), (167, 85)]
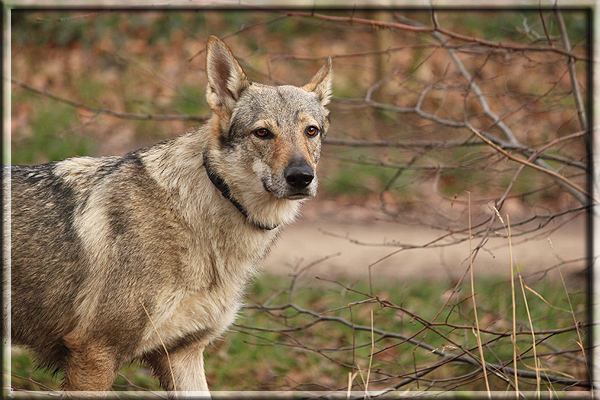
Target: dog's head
[(269, 137)]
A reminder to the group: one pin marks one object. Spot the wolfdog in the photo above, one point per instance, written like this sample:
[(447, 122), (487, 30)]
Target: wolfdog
[(146, 256)]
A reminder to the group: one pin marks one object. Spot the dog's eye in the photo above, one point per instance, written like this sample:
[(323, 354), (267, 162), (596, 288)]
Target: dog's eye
[(263, 133), (312, 131)]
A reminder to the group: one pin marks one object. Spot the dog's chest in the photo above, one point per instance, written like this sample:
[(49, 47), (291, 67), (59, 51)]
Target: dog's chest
[(210, 292), (209, 312)]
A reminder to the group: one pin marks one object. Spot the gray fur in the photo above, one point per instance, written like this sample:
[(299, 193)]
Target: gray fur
[(112, 257)]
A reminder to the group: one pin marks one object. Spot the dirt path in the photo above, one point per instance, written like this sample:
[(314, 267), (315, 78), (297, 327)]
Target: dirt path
[(316, 237)]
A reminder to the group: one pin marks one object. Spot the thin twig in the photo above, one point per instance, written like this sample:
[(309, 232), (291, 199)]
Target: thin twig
[(476, 330), (514, 302), (163, 345)]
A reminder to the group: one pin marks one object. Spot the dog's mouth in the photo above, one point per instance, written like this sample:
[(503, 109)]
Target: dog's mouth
[(289, 194), (298, 196)]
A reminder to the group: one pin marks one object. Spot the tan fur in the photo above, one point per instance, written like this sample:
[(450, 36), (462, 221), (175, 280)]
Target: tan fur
[(116, 258)]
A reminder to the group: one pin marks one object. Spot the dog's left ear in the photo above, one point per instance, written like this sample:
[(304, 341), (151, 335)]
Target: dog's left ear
[(226, 79), (320, 84)]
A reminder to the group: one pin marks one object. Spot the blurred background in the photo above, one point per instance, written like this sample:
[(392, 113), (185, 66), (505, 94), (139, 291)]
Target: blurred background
[(447, 247)]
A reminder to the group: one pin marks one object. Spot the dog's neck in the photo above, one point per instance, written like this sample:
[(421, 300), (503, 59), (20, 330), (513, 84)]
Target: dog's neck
[(226, 192)]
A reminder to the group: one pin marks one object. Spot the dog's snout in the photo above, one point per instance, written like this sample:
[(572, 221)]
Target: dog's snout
[(299, 174)]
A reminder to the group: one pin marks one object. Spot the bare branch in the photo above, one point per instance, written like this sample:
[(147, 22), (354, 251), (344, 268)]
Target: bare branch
[(579, 190), (572, 71), (74, 104)]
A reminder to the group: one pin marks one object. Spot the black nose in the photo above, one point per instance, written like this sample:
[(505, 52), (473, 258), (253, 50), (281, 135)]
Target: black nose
[(298, 173)]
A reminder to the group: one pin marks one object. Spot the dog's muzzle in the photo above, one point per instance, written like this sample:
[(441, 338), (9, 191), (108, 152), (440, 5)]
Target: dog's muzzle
[(299, 174)]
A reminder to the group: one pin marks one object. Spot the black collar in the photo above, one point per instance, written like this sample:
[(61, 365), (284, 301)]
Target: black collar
[(226, 192)]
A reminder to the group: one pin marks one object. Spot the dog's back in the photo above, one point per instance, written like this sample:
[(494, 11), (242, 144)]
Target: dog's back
[(81, 241)]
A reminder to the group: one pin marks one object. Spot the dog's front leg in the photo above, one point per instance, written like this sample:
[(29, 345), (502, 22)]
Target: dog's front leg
[(182, 371), (90, 368), (188, 371)]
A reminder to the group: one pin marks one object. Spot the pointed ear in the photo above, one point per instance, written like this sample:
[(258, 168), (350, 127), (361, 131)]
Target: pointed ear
[(226, 79), (320, 84)]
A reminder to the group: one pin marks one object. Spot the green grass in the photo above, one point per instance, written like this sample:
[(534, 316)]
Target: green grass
[(252, 356)]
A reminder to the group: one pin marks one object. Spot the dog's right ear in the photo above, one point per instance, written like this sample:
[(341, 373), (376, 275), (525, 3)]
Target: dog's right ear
[(226, 79), (320, 84)]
